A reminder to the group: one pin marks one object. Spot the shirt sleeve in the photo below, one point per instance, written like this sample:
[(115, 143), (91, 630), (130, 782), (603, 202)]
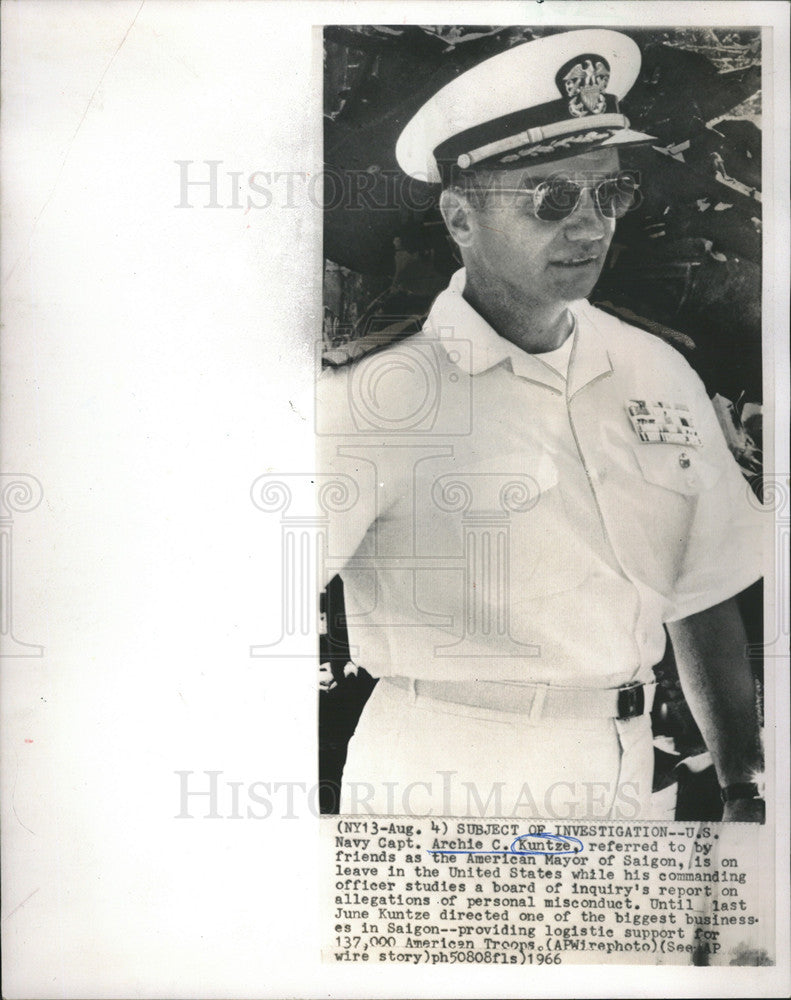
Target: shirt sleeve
[(725, 552)]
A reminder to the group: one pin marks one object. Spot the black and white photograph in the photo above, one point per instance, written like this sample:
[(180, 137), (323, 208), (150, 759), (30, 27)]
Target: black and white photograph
[(394, 499), (543, 384)]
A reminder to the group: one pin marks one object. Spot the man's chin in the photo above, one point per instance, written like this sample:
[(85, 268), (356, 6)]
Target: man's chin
[(578, 281)]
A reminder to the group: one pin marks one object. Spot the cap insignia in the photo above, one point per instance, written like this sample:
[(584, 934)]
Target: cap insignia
[(583, 81)]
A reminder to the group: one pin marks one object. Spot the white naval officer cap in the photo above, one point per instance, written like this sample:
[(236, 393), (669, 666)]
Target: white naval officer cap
[(546, 99)]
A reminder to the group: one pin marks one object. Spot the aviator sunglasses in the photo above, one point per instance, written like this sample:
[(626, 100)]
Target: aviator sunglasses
[(558, 196)]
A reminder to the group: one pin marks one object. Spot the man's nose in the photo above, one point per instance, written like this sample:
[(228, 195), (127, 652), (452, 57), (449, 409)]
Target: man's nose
[(586, 221)]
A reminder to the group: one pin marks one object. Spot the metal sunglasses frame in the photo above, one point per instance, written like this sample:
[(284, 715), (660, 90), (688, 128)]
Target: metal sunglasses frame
[(564, 211)]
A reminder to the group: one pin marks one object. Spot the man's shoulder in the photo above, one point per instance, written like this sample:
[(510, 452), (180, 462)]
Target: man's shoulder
[(391, 359), (632, 344), (384, 388)]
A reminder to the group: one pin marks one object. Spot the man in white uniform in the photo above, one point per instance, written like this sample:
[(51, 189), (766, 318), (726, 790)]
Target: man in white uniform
[(534, 488)]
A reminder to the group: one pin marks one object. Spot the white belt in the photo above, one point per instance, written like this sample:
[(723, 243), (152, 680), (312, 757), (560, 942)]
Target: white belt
[(539, 700)]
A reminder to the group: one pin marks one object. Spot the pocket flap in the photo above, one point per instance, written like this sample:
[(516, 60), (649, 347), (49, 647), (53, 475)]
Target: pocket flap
[(676, 467)]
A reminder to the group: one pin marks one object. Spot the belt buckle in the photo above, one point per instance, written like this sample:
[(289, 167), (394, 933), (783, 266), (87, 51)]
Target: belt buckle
[(631, 700)]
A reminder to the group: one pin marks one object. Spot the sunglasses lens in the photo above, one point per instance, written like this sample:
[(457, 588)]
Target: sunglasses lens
[(616, 195), (556, 199)]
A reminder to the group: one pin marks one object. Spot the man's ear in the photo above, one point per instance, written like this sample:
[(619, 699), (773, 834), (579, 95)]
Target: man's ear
[(459, 215)]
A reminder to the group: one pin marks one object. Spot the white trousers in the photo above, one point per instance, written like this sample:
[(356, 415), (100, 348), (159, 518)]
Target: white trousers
[(413, 755)]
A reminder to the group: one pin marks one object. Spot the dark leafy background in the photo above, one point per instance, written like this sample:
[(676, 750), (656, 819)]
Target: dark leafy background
[(684, 264)]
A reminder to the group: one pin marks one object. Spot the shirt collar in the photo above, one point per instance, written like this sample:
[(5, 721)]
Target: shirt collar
[(481, 348), (590, 357)]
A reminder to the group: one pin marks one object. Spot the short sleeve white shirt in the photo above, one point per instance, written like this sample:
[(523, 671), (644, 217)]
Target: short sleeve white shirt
[(510, 523)]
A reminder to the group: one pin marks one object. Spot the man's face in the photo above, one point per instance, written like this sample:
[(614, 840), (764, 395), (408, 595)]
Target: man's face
[(519, 256)]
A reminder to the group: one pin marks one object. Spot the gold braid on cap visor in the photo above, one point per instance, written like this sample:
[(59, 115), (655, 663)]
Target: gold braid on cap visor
[(532, 138)]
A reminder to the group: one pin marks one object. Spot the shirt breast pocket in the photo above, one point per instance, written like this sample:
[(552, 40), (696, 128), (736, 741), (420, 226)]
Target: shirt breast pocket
[(676, 468), (672, 489)]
